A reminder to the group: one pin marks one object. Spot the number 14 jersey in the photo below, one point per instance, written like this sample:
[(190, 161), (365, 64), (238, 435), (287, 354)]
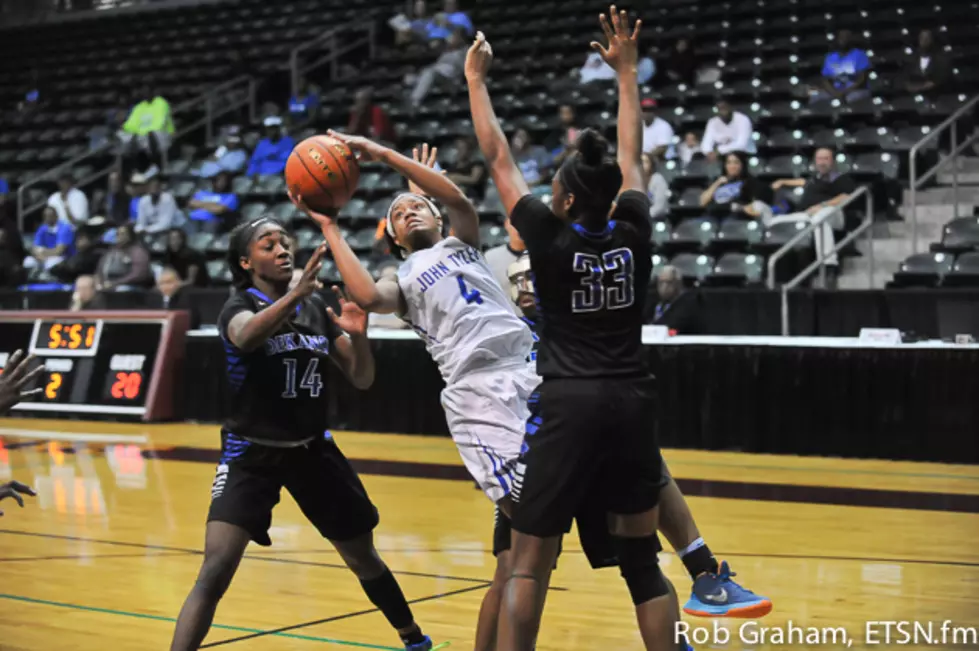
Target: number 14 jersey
[(455, 304)]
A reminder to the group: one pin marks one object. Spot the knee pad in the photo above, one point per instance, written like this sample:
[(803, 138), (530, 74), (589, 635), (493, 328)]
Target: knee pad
[(639, 565)]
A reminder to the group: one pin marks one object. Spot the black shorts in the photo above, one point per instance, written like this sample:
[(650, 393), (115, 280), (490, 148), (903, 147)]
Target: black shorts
[(592, 442), (317, 475)]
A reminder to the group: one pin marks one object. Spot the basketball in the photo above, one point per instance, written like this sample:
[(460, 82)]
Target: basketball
[(324, 172)]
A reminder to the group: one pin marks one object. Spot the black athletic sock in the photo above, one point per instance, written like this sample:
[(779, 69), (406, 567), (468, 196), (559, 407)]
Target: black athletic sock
[(699, 561), (385, 593)]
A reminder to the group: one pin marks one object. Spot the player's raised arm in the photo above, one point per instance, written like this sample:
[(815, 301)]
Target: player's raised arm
[(622, 54), (461, 213), (492, 141)]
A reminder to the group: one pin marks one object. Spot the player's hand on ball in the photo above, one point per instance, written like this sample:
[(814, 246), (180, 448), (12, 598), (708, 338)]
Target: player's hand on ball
[(479, 59), (322, 220), (309, 282), (15, 377), (14, 489), (352, 319), (366, 149), (622, 52)]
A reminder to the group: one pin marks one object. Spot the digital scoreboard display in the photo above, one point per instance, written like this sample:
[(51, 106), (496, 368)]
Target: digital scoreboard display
[(118, 364)]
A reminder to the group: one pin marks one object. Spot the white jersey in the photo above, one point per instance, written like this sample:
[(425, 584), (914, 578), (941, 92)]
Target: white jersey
[(456, 305)]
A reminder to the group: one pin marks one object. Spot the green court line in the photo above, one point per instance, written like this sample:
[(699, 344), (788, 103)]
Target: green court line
[(226, 627)]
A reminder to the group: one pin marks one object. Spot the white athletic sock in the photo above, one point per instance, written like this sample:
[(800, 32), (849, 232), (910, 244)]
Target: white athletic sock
[(692, 547)]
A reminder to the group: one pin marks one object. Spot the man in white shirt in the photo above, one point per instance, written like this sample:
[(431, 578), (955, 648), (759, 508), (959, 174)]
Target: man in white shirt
[(727, 131), (595, 69), (69, 202), (499, 258), (657, 134)]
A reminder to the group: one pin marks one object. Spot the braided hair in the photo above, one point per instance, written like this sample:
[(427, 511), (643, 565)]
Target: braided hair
[(593, 176), (238, 243)]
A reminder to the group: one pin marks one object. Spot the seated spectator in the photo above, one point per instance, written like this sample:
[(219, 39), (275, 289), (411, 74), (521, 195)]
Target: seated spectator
[(54, 240), (673, 307), (83, 262), (728, 131), (229, 157), (681, 65), (656, 187), (32, 94), (157, 210), (189, 264), (821, 195), (532, 159), (595, 69), (112, 204), (499, 258), (126, 265), (148, 128), (844, 72), (928, 70), (272, 151), (457, 19), (448, 67), (210, 210), (409, 30), (137, 188), (646, 69), (657, 134), (736, 193), (4, 186), (368, 119), (689, 148), (468, 171), (171, 294), (69, 202), (86, 296), (561, 144), (304, 103), (438, 29)]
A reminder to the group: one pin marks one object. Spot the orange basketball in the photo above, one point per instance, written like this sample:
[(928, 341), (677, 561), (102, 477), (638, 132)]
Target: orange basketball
[(324, 172)]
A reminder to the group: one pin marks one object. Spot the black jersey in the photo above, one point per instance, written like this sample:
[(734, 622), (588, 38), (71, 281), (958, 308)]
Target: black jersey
[(591, 288), (278, 391)]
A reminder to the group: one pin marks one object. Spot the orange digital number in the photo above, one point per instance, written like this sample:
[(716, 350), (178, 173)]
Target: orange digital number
[(53, 385), (54, 336), (89, 336), (127, 385), (75, 335)]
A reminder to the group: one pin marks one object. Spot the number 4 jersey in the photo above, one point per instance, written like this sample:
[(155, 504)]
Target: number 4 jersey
[(277, 390), (590, 286), (456, 305)]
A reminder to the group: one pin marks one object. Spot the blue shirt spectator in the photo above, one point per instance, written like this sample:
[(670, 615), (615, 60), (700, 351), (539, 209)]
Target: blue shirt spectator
[(272, 151), (847, 67), (209, 207), (457, 19), (4, 187), (53, 241), (646, 69), (304, 102), (231, 157)]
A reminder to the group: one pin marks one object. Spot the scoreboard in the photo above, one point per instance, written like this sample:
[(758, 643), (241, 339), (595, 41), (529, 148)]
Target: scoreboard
[(113, 363)]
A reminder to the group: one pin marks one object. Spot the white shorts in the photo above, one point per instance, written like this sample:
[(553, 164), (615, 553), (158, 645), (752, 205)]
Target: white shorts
[(487, 415)]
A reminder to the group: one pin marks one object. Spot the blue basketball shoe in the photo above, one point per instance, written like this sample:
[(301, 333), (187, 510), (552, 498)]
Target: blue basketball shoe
[(425, 645), (716, 595)]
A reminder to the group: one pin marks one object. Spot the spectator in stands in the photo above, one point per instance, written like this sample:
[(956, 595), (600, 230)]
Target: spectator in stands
[(69, 202), (532, 159), (31, 94), (438, 29), (137, 188), (304, 103), (736, 193), (448, 67), (85, 295), (728, 131), (561, 144), (189, 263), (210, 210), (656, 187), (149, 127), (457, 19), (678, 310), (821, 195), (112, 204), (845, 71), (157, 210), (272, 151), (126, 265), (54, 240), (595, 69), (928, 70), (411, 30), (467, 170), (646, 68), (4, 186), (681, 65), (657, 134), (83, 262), (229, 157), (369, 120), (499, 258), (689, 148)]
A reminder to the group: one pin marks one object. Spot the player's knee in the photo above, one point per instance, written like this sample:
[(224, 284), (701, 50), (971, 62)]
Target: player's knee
[(365, 563), (639, 565), (215, 577)]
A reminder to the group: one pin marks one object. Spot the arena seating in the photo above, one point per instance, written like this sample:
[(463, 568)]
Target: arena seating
[(764, 52)]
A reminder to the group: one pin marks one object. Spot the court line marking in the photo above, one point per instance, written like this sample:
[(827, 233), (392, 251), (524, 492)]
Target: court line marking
[(91, 437), (80, 557), (280, 631), (837, 471), (227, 627)]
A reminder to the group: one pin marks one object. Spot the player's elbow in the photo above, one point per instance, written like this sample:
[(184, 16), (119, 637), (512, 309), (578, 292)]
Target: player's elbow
[(363, 379)]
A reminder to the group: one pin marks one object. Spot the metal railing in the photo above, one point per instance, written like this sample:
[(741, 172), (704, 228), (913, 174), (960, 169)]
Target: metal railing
[(865, 225), (299, 68), (217, 101), (915, 181)]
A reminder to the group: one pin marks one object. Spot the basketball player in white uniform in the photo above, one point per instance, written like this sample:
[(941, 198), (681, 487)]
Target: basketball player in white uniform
[(447, 293)]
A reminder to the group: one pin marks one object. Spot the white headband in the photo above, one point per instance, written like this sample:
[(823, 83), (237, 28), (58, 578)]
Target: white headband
[(411, 195)]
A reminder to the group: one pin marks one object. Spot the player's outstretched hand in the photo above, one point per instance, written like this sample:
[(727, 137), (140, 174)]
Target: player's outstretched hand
[(16, 376), (365, 148), (352, 319), (14, 489), (309, 281), (622, 52), (427, 156), (479, 59), (322, 220)]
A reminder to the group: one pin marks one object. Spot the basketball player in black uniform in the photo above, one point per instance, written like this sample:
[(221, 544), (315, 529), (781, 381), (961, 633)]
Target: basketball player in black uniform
[(592, 437), (278, 341)]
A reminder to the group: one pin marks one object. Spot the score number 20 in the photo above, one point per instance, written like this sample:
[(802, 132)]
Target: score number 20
[(127, 385)]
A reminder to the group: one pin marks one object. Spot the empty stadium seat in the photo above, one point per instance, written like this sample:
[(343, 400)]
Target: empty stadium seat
[(694, 267), (693, 234), (959, 235), (737, 269), (965, 271), (923, 269)]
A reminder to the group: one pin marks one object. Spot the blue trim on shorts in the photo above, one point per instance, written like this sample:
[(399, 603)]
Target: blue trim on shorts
[(233, 448), (497, 467)]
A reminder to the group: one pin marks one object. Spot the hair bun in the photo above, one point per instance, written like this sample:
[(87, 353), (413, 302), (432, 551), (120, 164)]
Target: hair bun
[(592, 146)]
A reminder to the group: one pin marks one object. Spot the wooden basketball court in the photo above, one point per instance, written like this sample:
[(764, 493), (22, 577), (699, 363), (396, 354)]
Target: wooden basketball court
[(104, 556)]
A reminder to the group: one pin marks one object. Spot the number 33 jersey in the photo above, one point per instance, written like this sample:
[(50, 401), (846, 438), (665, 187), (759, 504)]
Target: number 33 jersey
[(455, 304), (278, 391), (590, 286)]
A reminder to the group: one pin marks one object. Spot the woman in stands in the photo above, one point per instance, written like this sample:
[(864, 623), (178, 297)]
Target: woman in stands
[(127, 264), (736, 193), (277, 341)]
